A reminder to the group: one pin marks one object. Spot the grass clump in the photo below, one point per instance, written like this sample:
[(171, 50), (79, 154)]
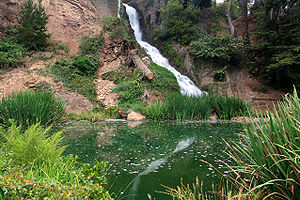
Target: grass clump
[(229, 107), (33, 168), (28, 108), (180, 107), (270, 157)]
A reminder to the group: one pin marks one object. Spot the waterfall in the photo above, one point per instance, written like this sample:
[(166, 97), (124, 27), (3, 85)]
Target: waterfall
[(187, 86), (119, 8)]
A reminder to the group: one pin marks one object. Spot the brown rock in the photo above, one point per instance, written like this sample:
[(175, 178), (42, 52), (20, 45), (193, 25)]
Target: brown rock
[(134, 116)]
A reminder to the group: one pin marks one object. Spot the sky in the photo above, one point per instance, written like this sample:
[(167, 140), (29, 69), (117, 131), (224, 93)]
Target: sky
[(220, 1)]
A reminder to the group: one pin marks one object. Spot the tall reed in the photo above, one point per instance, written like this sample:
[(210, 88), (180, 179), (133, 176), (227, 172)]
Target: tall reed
[(180, 107), (28, 108), (228, 107), (269, 160)]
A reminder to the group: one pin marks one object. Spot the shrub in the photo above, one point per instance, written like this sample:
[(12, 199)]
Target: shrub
[(28, 108), (78, 74), (228, 107), (37, 170), (11, 54), (117, 27), (32, 30), (91, 45), (220, 50)]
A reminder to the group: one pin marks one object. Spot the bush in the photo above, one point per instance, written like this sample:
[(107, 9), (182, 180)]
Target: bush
[(11, 54), (117, 27), (229, 107), (219, 50), (27, 108), (35, 168), (32, 30), (91, 45), (179, 107), (78, 74)]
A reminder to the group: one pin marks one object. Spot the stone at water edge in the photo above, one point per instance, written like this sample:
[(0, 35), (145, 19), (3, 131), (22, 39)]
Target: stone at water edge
[(134, 116), (242, 119)]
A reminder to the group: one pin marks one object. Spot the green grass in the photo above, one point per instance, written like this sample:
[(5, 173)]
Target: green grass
[(27, 108), (91, 45)]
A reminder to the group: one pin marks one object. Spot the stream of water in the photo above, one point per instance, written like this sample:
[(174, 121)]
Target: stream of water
[(186, 85)]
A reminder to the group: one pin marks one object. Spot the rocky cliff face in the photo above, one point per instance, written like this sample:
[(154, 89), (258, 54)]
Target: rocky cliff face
[(68, 20), (106, 7), (149, 12)]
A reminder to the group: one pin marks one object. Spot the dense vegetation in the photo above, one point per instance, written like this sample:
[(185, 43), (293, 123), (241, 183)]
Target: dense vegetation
[(272, 52), (266, 162), (180, 107), (28, 108), (32, 167)]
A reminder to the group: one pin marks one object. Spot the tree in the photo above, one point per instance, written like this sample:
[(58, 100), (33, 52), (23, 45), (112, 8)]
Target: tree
[(245, 20), (229, 19), (278, 29), (32, 29)]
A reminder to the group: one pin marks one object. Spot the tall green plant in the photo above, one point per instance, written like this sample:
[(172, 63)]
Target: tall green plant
[(27, 108), (32, 30), (228, 107), (269, 160)]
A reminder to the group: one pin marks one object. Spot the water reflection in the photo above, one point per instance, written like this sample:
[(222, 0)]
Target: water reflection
[(152, 154)]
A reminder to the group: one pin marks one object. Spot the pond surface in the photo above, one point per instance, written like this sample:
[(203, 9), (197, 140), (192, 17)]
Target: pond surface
[(143, 158)]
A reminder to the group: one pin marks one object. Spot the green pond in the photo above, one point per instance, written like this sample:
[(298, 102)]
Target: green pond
[(144, 157)]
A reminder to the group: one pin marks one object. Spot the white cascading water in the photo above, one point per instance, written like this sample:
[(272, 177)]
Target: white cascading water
[(186, 85)]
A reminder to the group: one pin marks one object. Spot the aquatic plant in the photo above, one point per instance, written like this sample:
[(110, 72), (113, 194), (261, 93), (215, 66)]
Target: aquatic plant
[(27, 108), (180, 107), (228, 107), (266, 161)]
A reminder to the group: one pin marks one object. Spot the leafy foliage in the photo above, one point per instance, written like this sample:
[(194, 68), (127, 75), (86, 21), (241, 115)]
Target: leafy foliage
[(130, 86), (178, 23), (32, 30), (117, 27), (220, 50), (78, 74), (35, 169), (11, 53), (28, 108), (277, 53), (91, 45)]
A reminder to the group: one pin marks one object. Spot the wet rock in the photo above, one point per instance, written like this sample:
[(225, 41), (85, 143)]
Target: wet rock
[(213, 117), (134, 116)]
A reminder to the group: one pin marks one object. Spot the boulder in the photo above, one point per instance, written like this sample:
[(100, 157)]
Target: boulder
[(134, 116)]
